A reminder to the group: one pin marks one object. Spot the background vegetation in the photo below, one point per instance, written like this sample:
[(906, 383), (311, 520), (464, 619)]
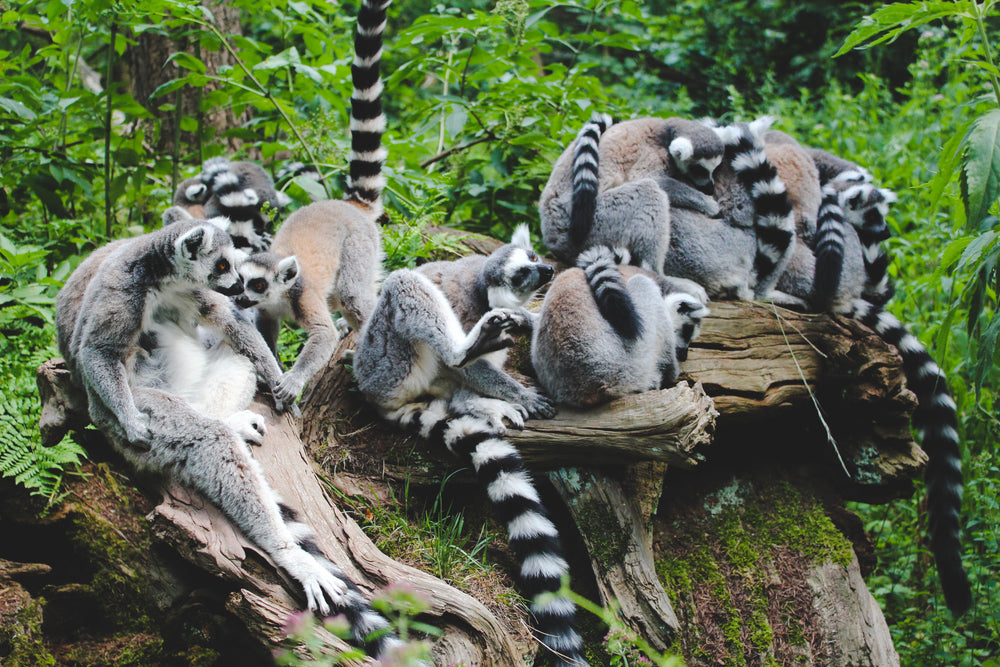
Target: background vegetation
[(482, 98)]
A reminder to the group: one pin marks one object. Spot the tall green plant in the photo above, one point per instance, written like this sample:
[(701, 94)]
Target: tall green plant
[(971, 155)]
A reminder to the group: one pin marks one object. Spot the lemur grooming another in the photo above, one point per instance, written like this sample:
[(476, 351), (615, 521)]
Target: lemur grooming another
[(429, 363), (327, 256)]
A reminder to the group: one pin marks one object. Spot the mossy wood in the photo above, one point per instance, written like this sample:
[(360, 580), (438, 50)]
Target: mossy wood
[(751, 386)]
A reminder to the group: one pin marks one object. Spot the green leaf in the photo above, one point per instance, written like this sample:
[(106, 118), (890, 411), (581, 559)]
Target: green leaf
[(889, 22), (17, 108), (980, 176), (948, 163), (187, 61), (986, 352)]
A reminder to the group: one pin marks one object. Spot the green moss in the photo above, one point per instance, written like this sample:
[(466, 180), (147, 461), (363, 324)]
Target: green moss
[(722, 566), (21, 637), (112, 551)]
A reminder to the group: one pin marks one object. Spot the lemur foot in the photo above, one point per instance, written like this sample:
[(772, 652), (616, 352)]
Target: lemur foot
[(248, 425), (495, 329), (494, 411), (289, 387), (323, 590)]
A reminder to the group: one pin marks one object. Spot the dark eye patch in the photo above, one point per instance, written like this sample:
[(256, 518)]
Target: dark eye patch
[(222, 265), (257, 285)]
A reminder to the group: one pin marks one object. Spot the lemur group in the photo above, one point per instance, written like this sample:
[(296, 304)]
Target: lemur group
[(170, 333)]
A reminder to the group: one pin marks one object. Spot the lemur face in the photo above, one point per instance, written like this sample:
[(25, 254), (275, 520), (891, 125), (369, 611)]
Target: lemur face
[(205, 255), (697, 163), (267, 280), (515, 272), (686, 312)]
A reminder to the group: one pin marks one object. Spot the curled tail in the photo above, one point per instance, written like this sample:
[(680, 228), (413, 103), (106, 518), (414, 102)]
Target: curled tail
[(773, 220), (614, 302), (369, 629), (866, 206), (585, 177), (533, 537), (936, 419), (829, 249), (365, 181)]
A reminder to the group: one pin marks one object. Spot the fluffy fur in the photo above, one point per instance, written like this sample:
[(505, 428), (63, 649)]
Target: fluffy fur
[(586, 353)]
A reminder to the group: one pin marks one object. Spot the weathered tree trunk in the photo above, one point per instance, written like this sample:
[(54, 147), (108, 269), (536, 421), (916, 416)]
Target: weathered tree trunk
[(711, 512)]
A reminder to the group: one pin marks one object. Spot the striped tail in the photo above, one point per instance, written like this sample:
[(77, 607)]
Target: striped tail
[(829, 249), (866, 207), (613, 300), (586, 163), (369, 629), (365, 181), (773, 220), (294, 169), (936, 419), (533, 538)]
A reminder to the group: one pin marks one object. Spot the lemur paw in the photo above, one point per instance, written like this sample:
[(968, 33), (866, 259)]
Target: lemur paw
[(323, 591), (138, 433), (540, 406), (286, 392), (248, 425)]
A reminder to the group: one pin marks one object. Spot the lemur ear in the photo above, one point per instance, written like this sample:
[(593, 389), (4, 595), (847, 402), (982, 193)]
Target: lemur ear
[(288, 269), (197, 193), (521, 237), (761, 125), (681, 150), (191, 243), (175, 213)]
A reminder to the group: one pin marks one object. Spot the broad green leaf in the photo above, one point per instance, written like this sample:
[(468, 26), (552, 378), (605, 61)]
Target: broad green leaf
[(17, 108), (889, 22), (187, 61), (980, 175), (948, 163), (987, 352), (280, 60), (953, 251)]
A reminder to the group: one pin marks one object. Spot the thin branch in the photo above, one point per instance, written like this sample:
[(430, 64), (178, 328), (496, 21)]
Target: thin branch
[(457, 149)]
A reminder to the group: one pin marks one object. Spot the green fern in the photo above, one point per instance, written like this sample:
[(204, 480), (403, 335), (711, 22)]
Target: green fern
[(22, 456)]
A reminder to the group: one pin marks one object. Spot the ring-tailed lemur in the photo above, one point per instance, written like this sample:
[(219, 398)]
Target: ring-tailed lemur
[(142, 302), (599, 337), (935, 415), (191, 196), (617, 184), (740, 254), (423, 370), (239, 191), (327, 256)]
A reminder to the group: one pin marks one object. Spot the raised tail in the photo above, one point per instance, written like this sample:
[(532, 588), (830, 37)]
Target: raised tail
[(365, 180), (936, 419), (586, 163), (369, 629), (773, 220), (533, 537), (829, 249), (614, 302)]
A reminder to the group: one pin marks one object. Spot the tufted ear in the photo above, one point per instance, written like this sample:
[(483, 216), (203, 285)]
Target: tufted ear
[(282, 199), (197, 192), (191, 243), (681, 150), (761, 125), (521, 237), (174, 214), (288, 269)]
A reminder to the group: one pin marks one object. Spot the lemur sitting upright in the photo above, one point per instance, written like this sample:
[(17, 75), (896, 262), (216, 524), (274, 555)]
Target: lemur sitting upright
[(128, 325), (327, 256), (423, 369), (599, 337)]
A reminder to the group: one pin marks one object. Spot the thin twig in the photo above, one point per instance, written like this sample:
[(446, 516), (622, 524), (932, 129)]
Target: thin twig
[(456, 149), (812, 396)]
